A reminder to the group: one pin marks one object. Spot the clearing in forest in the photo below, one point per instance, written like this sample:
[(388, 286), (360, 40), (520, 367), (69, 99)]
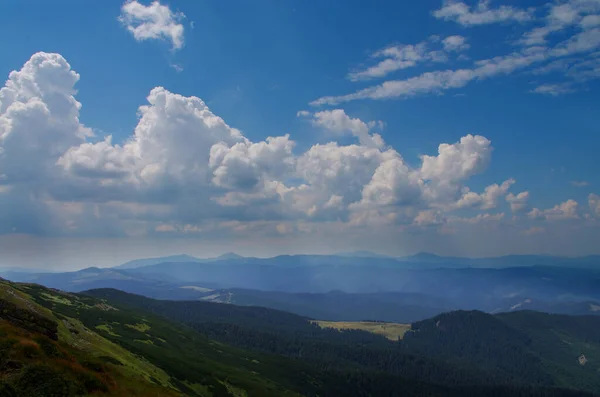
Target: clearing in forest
[(392, 331)]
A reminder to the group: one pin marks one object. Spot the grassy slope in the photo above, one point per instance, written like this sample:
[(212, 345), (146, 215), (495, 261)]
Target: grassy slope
[(173, 355), (392, 331), (78, 362), (116, 338)]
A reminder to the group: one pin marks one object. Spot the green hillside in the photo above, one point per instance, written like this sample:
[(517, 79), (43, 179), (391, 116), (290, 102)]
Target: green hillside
[(458, 349), (46, 355), (116, 344)]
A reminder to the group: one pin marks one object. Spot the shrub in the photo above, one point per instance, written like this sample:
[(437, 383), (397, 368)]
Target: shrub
[(43, 381), (7, 390)]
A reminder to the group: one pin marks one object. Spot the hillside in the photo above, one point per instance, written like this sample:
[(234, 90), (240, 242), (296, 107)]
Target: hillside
[(113, 338), (525, 344), (458, 348), (42, 354)]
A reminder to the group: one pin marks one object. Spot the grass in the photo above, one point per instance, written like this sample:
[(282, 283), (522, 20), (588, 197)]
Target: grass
[(139, 327), (106, 328), (392, 331), (74, 333), (169, 355), (57, 299), (45, 367)]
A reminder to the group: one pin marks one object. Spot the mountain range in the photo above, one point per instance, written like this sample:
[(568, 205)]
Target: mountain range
[(350, 287)]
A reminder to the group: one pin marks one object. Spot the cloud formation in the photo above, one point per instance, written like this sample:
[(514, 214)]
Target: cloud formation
[(339, 123), (482, 14), (185, 171), (404, 56), (575, 50), (153, 22), (455, 43), (566, 210)]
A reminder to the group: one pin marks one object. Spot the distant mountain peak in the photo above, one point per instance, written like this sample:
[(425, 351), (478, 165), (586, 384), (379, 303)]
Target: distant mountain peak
[(425, 255), (90, 269), (229, 255), (361, 254), (153, 261)]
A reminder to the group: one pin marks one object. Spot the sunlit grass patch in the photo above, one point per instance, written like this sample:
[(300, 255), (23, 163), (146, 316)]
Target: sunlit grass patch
[(139, 327), (392, 331)]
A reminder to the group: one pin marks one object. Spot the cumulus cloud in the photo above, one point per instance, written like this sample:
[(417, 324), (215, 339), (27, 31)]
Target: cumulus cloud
[(566, 210), (185, 171), (486, 200), (461, 160), (153, 22), (245, 164), (518, 203), (338, 122), (455, 43), (429, 218), (39, 117), (171, 145), (481, 14)]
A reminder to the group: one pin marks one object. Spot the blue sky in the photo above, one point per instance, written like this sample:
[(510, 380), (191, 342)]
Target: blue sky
[(388, 81)]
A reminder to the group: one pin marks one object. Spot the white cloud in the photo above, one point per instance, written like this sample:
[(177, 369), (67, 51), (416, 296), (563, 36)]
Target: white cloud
[(553, 89), (429, 218), (580, 183), (594, 203), (185, 171), (482, 14), (455, 43), (404, 56), (458, 161), (441, 80), (486, 200), (425, 83), (39, 117), (170, 146), (332, 169), (590, 21), (338, 122), (397, 57), (245, 165), (153, 22), (565, 210), (562, 15), (518, 203), (393, 183)]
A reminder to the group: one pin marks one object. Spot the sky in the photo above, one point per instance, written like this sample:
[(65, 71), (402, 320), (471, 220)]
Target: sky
[(137, 129)]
